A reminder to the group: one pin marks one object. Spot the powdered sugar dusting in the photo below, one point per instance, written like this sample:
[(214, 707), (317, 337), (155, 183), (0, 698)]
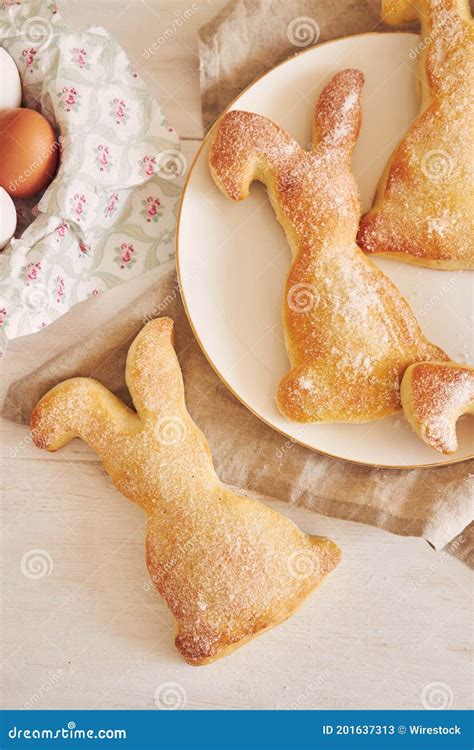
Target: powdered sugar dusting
[(424, 212), (355, 334), (440, 393), (221, 561)]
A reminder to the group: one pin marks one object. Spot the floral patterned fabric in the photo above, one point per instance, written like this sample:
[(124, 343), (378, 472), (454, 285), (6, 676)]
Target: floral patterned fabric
[(110, 213)]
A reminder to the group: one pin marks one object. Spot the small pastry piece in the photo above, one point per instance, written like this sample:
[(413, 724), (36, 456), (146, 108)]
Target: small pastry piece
[(434, 395), (228, 566), (349, 333), (423, 211)]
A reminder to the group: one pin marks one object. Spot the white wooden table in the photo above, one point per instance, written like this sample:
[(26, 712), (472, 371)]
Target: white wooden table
[(391, 621)]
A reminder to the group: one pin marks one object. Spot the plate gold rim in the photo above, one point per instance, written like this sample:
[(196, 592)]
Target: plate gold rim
[(203, 145)]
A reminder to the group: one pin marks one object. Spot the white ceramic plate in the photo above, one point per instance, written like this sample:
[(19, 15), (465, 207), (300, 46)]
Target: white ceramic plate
[(233, 257)]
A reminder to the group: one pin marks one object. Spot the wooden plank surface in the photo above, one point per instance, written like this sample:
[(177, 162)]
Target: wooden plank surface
[(393, 619)]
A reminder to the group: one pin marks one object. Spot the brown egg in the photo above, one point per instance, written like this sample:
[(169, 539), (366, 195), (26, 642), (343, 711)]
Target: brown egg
[(28, 152)]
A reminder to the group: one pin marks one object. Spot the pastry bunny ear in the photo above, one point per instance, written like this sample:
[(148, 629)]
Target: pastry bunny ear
[(81, 407), (152, 373), (337, 115), (246, 147), (396, 12)]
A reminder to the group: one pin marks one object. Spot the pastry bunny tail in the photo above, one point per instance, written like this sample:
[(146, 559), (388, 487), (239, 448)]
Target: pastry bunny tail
[(244, 147), (337, 114)]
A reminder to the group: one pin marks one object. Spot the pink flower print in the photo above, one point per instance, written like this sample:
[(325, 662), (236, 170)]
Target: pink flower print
[(94, 293), (151, 210), (84, 249), (69, 98), (32, 271), (118, 110), (78, 204), (125, 254), (29, 56), (61, 230), (148, 164), (3, 316), (59, 291), (111, 204), (79, 56), (102, 159)]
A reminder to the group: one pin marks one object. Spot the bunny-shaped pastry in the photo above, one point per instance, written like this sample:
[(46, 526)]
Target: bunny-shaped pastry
[(228, 566), (349, 333), (423, 211)]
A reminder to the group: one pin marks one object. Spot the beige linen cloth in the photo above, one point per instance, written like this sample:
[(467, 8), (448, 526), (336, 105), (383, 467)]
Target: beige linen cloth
[(249, 37), (246, 38)]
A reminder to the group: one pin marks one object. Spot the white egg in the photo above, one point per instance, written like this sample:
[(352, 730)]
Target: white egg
[(7, 218), (10, 91)]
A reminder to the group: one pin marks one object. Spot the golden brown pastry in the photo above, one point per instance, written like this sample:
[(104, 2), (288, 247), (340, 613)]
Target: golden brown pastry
[(227, 566), (349, 333), (423, 211), (434, 395)]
